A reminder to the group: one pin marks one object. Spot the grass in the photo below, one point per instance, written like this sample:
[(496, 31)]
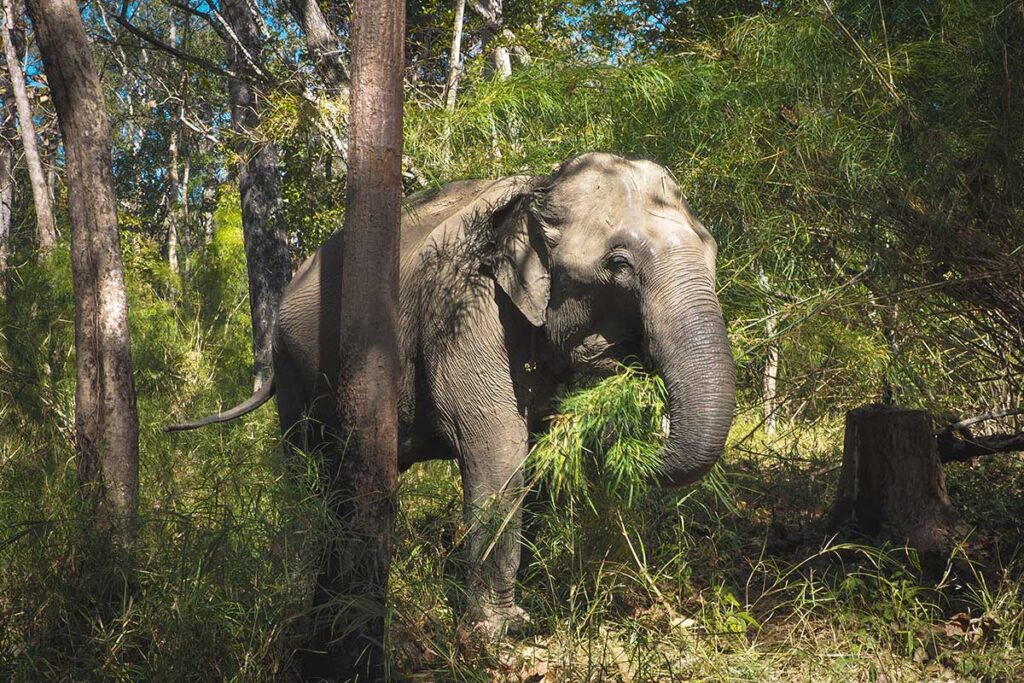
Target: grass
[(735, 579)]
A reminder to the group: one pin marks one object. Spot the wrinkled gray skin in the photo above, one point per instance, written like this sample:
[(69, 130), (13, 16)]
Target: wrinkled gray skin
[(510, 287)]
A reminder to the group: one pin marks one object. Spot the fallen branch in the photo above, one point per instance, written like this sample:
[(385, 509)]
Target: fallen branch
[(955, 449)]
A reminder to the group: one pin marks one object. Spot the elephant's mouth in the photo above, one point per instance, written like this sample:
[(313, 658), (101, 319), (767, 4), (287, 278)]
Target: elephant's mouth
[(599, 356)]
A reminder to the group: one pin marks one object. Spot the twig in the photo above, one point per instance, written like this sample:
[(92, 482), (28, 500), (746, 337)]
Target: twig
[(180, 54), (991, 415), (208, 18), (887, 84)]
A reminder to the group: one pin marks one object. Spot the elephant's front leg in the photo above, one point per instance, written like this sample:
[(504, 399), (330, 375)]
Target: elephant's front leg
[(491, 462)]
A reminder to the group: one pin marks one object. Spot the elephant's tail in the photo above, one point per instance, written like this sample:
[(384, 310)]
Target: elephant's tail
[(259, 397)]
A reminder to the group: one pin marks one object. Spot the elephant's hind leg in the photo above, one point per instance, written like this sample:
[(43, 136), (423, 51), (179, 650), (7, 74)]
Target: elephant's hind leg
[(292, 405)]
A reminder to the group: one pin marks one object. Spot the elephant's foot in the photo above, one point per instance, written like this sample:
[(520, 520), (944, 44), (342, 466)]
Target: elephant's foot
[(488, 622)]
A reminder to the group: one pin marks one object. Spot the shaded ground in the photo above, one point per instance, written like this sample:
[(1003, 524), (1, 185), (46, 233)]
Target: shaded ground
[(737, 580), (744, 586)]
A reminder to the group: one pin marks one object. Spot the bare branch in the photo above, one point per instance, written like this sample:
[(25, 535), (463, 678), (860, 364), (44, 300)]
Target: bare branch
[(160, 45), (991, 415), (952, 449), (205, 16)]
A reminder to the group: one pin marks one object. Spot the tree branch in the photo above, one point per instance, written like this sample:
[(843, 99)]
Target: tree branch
[(952, 449), (322, 44), (171, 50), (991, 415), (490, 17), (209, 19)]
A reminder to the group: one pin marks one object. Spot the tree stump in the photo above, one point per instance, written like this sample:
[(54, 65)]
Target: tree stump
[(892, 483)]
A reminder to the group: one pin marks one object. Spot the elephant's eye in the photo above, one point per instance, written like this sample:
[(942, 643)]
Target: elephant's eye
[(618, 262)]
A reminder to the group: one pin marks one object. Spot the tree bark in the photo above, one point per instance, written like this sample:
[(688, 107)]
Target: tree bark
[(491, 11), (455, 58), (173, 186), (771, 366), (322, 43), (8, 134), (892, 482), (368, 378), (184, 235), (46, 227), (106, 421), (266, 245), (173, 189)]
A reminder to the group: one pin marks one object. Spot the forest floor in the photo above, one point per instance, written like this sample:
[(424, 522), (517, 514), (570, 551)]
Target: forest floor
[(741, 583), (737, 579)]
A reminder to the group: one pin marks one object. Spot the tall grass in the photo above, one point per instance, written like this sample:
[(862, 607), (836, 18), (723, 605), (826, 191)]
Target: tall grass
[(736, 579)]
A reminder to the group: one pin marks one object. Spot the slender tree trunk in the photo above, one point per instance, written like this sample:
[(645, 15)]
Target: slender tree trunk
[(106, 422), (771, 367), (8, 134), (266, 245), (185, 235), (455, 58), (46, 228), (494, 26), (771, 374), (368, 380), (172, 175), (172, 200), (322, 43), (51, 154)]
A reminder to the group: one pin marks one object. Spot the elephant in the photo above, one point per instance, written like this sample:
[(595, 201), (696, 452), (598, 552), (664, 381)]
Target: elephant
[(508, 289)]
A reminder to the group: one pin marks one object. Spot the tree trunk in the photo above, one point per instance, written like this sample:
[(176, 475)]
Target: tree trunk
[(368, 379), (771, 367), (172, 200), (106, 421), (491, 11), (266, 246), (173, 189), (771, 374), (8, 134), (455, 58), (46, 228), (892, 482), (7, 137), (322, 43), (184, 236), (501, 63)]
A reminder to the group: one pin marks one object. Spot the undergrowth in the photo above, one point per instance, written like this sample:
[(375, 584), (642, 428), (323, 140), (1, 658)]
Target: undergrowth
[(737, 578)]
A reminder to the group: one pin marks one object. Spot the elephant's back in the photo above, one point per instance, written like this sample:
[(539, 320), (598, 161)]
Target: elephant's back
[(307, 334), (424, 211), (308, 320)]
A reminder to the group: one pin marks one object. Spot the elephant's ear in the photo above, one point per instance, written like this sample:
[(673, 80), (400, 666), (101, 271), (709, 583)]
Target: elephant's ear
[(521, 265)]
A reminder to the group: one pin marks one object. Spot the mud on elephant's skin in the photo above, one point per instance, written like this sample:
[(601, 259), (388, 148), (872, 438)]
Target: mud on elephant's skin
[(508, 288)]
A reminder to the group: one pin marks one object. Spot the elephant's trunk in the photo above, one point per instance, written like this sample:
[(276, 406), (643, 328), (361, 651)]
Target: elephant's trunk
[(687, 343)]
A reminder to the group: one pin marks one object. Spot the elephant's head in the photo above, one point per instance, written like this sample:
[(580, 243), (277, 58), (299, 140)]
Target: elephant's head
[(608, 258)]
